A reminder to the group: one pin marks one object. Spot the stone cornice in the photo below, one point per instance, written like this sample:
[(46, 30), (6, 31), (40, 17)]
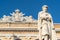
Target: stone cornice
[(19, 29), (20, 22), (24, 29), (57, 23)]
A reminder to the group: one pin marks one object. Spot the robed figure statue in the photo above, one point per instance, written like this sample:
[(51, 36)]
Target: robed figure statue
[(45, 25)]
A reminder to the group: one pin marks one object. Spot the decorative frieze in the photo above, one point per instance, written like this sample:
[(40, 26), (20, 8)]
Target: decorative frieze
[(17, 16)]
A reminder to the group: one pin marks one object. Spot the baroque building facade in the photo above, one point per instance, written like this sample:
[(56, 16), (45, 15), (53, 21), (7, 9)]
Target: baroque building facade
[(21, 27)]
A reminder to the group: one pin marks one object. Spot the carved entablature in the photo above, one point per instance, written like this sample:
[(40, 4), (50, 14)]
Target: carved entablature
[(17, 16)]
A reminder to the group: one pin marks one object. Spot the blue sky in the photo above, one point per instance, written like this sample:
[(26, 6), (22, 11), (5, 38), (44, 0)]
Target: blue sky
[(31, 7)]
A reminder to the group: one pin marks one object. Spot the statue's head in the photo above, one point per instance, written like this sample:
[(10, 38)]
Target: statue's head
[(44, 7), (17, 10)]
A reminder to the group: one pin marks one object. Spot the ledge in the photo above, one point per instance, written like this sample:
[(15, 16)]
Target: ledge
[(57, 29), (24, 29), (19, 29)]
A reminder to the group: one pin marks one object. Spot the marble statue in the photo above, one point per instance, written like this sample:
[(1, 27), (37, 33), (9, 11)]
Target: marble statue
[(45, 25), (6, 18), (17, 15), (30, 19)]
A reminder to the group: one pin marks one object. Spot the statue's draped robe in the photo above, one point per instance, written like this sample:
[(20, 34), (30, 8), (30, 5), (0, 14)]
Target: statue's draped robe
[(46, 27)]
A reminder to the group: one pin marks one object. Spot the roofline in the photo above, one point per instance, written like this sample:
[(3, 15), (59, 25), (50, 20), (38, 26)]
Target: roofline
[(25, 22), (56, 23)]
